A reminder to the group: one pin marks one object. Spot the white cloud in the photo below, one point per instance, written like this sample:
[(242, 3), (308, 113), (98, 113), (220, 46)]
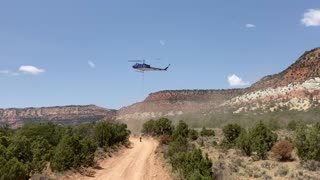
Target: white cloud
[(8, 73), (91, 64), (162, 42), (250, 26), (4, 71), (234, 80), (14, 74), (31, 70), (311, 18)]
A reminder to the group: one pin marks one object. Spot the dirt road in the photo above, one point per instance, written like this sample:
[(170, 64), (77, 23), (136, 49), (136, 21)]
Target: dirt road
[(136, 163)]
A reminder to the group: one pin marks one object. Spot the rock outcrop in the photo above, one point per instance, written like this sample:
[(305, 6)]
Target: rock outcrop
[(62, 115), (305, 68), (177, 102), (296, 88)]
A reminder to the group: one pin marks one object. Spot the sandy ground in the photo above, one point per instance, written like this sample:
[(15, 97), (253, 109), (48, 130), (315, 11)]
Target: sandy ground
[(139, 162)]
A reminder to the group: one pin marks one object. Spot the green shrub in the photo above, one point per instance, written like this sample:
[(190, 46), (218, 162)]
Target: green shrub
[(157, 127), (164, 126), (88, 148), (5, 130), (108, 134), (180, 130), (313, 139), (292, 125), (193, 134), (3, 162), (192, 165), (148, 128), (262, 139), (73, 152), (63, 147), (244, 142), (307, 142), (189, 162), (5, 141), (20, 148), (207, 132), (301, 142), (66, 155), (41, 154), (231, 132), (180, 144), (102, 134), (121, 133), (49, 131), (13, 169), (196, 175), (3, 152), (85, 130)]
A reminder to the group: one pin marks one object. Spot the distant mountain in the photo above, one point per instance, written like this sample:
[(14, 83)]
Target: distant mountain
[(305, 68), (177, 102), (61, 115), (296, 88)]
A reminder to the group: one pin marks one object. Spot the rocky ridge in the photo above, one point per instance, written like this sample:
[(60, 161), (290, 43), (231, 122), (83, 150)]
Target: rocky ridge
[(295, 96), (305, 68), (177, 102), (296, 88), (62, 115)]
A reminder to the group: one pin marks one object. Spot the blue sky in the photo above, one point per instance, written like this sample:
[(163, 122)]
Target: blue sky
[(76, 51)]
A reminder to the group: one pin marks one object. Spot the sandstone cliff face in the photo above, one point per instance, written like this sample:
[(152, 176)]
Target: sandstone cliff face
[(63, 115), (305, 68), (216, 96), (295, 96), (296, 88), (177, 102)]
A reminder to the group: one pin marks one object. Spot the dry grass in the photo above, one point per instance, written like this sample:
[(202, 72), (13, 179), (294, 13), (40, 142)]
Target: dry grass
[(232, 164)]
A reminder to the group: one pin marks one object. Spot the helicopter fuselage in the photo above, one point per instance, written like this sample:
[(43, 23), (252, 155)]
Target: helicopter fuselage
[(146, 67)]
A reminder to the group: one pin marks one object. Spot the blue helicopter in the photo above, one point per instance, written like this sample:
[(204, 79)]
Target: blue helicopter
[(142, 67)]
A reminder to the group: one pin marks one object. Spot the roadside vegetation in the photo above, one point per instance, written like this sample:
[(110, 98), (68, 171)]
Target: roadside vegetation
[(261, 140), (187, 161), (280, 119), (262, 151), (35, 147)]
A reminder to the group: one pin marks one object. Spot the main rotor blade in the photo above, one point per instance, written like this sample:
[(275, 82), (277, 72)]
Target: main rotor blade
[(135, 60)]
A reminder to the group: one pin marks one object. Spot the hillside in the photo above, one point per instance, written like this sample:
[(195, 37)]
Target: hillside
[(61, 115), (305, 68), (296, 88), (177, 102)]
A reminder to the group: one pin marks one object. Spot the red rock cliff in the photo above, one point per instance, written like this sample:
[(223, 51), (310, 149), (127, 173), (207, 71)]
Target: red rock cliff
[(63, 115)]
